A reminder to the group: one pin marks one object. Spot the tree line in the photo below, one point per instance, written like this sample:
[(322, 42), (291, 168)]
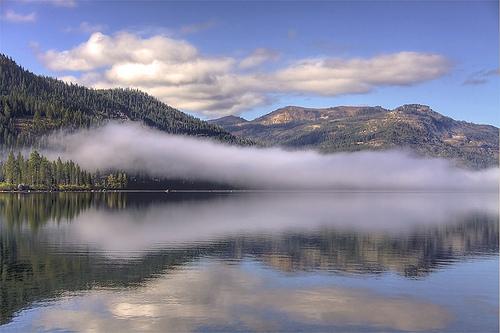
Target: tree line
[(33, 105), (39, 173)]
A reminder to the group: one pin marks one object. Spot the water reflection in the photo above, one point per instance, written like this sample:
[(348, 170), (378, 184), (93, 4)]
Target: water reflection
[(218, 295), (52, 244)]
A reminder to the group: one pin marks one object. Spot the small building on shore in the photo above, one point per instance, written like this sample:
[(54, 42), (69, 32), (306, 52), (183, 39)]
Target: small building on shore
[(22, 187)]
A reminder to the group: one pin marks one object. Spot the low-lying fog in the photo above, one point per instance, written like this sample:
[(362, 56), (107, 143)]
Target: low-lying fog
[(134, 148)]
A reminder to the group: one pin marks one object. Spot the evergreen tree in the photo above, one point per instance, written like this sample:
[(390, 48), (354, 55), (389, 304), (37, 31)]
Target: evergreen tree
[(10, 169), (21, 165), (34, 167), (39, 173)]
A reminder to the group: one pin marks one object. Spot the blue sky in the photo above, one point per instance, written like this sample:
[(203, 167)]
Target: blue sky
[(248, 58)]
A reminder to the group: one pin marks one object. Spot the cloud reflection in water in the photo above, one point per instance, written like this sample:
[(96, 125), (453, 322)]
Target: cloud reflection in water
[(220, 295)]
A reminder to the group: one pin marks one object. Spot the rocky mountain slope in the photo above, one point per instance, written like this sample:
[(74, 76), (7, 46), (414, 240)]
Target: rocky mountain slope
[(353, 128)]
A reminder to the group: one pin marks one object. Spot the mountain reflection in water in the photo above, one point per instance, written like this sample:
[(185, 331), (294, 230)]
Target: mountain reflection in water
[(182, 255)]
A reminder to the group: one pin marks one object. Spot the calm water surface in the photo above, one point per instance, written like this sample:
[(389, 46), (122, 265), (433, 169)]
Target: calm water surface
[(370, 262)]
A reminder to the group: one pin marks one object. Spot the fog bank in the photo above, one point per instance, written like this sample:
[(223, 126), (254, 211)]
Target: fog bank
[(135, 148)]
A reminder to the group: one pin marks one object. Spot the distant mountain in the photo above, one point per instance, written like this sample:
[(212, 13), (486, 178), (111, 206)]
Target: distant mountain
[(228, 121), (354, 128), (33, 105)]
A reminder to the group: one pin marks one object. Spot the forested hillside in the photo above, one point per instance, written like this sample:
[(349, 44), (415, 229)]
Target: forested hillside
[(413, 127), (33, 105)]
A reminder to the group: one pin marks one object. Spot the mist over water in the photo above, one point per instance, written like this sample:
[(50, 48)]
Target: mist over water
[(178, 224), (134, 148), (315, 262)]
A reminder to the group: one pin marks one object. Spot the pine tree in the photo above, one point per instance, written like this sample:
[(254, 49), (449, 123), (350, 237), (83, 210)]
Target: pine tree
[(10, 169), (34, 167), (38, 172), (20, 168)]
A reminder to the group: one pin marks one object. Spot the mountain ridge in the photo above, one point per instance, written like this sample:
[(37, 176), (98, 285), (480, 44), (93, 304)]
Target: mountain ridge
[(354, 128)]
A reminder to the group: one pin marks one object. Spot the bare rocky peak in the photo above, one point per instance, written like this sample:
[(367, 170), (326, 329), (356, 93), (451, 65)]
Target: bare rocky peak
[(301, 114)]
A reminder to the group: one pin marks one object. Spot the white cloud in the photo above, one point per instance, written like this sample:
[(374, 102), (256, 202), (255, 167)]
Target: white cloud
[(69, 79), (331, 77), (12, 16), (174, 71), (169, 73), (87, 79), (102, 50), (258, 57)]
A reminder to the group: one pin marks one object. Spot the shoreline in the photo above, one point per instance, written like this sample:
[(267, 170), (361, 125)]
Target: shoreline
[(167, 191)]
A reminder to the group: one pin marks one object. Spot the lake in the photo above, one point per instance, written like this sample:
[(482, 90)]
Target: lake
[(213, 262)]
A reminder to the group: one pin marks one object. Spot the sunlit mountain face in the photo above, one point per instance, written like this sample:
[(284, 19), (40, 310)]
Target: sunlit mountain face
[(298, 261)]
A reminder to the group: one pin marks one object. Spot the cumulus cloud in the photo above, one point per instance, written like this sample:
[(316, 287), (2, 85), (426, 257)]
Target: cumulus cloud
[(87, 78), (332, 77), (12, 16), (168, 73), (174, 71), (102, 50), (135, 148)]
